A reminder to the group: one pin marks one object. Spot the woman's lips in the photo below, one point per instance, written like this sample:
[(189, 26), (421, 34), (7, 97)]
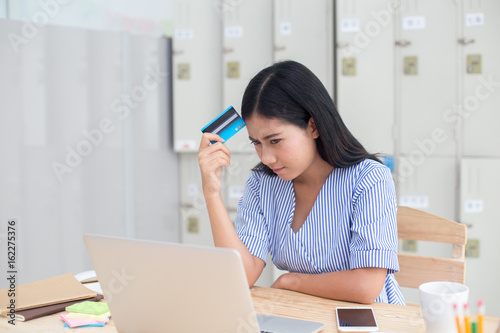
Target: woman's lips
[(278, 170)]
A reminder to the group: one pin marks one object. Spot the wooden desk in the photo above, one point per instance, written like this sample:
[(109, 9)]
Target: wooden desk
[(391, 318)]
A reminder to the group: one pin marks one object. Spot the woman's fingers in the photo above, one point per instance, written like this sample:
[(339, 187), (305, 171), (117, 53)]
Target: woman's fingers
[(215, 159), (207, 148), (212, 157), (206, 138)]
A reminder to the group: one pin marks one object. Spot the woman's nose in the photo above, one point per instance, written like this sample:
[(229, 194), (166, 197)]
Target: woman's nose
[(267, 156)]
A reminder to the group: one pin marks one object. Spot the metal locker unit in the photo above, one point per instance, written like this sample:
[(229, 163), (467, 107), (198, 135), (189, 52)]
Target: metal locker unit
[(197, 70), (421, 188), (234, 177), (426, 88), (479, 103), (480, 210), (195, 224), (248, 48), (303, 31), (191, 191), (365, 72)]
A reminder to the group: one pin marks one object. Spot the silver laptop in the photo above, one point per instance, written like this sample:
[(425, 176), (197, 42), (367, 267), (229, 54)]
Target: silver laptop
[(167, 287)]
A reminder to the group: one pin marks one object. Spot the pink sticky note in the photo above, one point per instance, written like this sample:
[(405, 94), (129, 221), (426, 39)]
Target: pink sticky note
[(79, 322)]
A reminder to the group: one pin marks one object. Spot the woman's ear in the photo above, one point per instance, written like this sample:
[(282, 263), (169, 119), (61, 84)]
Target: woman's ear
[(312, 128)]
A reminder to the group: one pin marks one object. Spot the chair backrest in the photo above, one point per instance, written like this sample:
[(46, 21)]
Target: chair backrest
[(414, 224)]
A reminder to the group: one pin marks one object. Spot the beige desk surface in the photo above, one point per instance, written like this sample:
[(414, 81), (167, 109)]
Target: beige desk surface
[(391, 318)]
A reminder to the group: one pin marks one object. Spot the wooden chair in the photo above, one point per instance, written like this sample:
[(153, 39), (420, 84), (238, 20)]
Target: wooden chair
[(417, 225)]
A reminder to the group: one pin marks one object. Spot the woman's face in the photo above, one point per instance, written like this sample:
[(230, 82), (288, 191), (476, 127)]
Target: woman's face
[(285, 148)]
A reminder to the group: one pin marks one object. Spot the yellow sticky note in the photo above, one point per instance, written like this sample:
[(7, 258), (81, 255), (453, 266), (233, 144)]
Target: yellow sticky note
[(85, 316), (89, 307)]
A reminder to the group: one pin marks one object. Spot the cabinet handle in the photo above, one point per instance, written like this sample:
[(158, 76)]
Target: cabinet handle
[(403, 43), (466, 41)]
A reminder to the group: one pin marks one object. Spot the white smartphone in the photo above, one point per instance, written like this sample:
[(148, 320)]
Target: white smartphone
[(356, 319)]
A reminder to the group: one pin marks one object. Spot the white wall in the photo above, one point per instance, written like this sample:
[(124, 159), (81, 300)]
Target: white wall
[(85, 143), (145, 17)]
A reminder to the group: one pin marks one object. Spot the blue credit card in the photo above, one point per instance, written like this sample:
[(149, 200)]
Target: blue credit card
[(227, 124)]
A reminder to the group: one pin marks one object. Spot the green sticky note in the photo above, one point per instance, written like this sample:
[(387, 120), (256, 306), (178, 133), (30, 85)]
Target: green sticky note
[(89, 307)]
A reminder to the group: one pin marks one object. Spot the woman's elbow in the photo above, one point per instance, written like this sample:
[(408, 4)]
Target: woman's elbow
[(253, 270), (370, 285), (368, 292), (251, 281), (365, 296)]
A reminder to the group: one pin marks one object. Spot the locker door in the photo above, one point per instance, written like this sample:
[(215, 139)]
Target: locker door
[(365, 72), (303, 31), (235, 177), (247, 49), (429, 187), (197, 70), (195, 224), (426, 76), (480, 100), (479, 208)]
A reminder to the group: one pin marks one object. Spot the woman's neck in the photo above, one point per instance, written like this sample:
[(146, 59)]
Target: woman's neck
[(316, 174)]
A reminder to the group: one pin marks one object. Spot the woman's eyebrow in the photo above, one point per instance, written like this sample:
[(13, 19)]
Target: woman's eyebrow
[(266, 137)]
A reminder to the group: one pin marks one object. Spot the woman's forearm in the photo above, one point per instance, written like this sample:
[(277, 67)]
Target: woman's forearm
[(225, 235), (362, 285), (212, 159)]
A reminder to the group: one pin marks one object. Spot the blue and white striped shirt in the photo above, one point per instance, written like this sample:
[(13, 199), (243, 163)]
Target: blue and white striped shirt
[(351, 225)]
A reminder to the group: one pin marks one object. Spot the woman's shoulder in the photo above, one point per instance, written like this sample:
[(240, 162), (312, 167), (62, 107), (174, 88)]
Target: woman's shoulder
[(369, 171)]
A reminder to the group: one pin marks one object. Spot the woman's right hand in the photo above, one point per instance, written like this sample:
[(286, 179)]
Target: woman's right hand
[(212, 158)]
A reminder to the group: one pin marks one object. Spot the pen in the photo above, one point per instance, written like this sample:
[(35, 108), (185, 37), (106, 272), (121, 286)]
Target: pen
[(480, 315), (467, 318), (457, 319)]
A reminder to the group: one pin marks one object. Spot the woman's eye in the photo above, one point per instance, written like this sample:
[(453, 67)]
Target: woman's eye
[(275, 140), (254, 142)]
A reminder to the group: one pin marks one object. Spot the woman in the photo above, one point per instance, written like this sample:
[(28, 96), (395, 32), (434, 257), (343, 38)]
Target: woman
[(318, 202)]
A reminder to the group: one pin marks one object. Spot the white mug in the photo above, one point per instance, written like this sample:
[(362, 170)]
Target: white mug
[(437, 301)]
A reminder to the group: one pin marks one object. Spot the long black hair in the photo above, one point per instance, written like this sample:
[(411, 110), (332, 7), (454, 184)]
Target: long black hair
[(291, 92)]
